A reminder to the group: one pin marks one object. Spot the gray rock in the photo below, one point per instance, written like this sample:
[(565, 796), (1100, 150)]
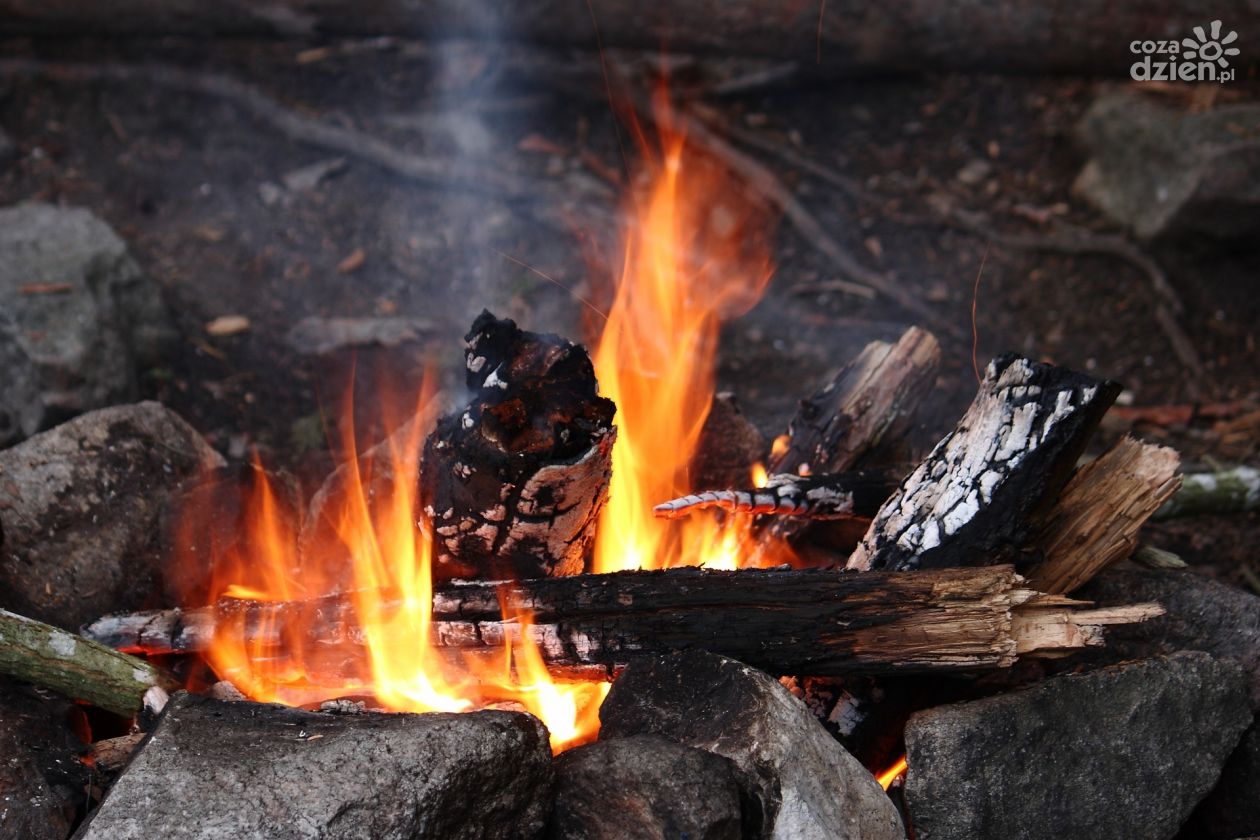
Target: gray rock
[(1117, 753), (321, 336), (802, 784), (1201, 614), (1162, 171), (80, 507), (644, 788), (1232, 809), (76, 317), (216, 770), (41, 777)]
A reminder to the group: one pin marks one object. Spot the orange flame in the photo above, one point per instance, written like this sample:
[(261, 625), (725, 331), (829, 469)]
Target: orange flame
[(696, 252), (890, 775)]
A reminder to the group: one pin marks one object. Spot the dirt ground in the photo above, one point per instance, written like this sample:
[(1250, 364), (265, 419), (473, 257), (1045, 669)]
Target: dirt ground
[(189, 181)]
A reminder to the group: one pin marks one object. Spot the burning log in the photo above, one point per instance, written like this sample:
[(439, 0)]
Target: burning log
[(975, 497), (79, 668), (514, 483), (830, 496), (813, 622)]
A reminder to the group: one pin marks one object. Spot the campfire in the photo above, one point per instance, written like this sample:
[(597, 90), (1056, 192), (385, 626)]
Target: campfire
[(582, 589)]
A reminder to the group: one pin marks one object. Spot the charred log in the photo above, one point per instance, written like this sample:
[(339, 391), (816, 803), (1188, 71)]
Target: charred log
[(975, 497), (514, 483), (801, 622), (830, 496)]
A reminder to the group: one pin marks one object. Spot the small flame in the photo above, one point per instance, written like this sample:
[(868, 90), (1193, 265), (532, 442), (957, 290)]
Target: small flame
[(780, 446), (891, 775), (759, 476)]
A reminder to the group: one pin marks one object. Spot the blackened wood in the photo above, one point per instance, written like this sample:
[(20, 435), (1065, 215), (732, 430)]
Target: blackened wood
[(514, 482), (728, 447), (810, 622), (829, 496), (975, 498), (867, 399)]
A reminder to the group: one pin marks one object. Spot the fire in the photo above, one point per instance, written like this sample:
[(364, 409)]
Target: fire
[(696, 253), (890, 775)]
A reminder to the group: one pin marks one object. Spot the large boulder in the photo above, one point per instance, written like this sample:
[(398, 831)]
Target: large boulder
[(76, 317), (800, 783), (1162, 171), (644, 788), (1116, 753), (80, 507), (215, 770), (1232, 809), (42, 780)]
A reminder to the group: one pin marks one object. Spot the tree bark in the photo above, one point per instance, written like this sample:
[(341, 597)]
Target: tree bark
[(900, 35), (976, 496), (801, 622), (77, 667)]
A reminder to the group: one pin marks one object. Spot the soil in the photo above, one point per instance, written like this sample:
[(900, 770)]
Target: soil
[(190, 183)]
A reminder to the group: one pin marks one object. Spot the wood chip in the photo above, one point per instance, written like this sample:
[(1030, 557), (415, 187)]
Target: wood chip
[(45, 288), (226, 325), (353, 262)]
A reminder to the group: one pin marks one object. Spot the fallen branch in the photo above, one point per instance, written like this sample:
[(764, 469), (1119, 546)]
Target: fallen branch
[(1234, 490), (810, 622), (79, 668)]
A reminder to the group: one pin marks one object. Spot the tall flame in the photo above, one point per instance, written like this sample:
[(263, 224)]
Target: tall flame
[(696, 252)]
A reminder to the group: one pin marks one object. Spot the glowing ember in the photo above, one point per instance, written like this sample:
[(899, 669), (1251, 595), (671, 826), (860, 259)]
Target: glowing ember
[(696, 253), (890, 775)]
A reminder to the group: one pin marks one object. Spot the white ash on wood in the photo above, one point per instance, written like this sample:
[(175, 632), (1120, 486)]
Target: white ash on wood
[(975, 497), (513, 483)]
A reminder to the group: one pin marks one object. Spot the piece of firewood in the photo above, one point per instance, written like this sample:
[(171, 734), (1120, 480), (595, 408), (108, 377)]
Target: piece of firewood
[(803, 622), (976, 496), (829, 496), (77, 667), (862, 404), (514, 482), (1095, 521)]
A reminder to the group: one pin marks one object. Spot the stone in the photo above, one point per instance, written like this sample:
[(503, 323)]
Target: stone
[(323, 336), (728, 447), (1118, 753), (80, 507), (214, 770), (77, 317), (1160, 171), (643, 788), (1232, 809), (42, 781), (799, 782), (1200, 614)]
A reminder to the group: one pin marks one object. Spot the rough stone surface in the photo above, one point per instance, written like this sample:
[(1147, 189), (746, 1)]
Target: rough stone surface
[(1201, 614), (1233, 808), (76, 317), (79, 511), (1117, 753), (644, 788), (1163, 171), (237, 771), (41, 778), (801, 783)]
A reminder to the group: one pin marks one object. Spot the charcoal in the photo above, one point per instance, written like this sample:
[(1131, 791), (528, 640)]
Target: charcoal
[(799, 782), (80, 507), (77, 317), (642, 788), (215, 770), (1201, 614), (1118, 753)]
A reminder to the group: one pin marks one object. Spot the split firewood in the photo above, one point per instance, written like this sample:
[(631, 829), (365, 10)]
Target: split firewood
[(829, 496), (1096, 519), (812, 622), (79, 668), (514, 482), (976, 496)]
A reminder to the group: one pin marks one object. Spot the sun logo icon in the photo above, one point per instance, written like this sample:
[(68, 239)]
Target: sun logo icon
[(1210, 49)]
